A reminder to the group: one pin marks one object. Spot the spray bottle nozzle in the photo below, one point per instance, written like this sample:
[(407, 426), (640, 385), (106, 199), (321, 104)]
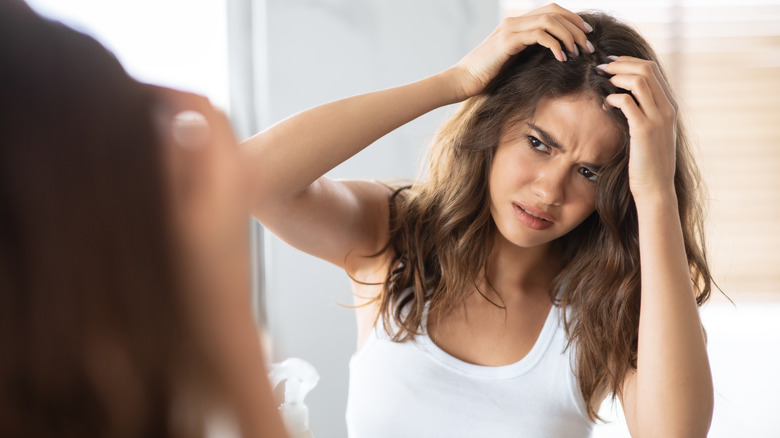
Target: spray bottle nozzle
[(300, 377)]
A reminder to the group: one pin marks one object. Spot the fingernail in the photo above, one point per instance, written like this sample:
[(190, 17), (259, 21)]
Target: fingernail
[(587, 26), (602, 66), (190, 129), (576, 51), (612, 58), (591, 49), (564, 56)]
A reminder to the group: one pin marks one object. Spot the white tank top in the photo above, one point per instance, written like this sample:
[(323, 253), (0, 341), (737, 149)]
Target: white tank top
[(416, 389)]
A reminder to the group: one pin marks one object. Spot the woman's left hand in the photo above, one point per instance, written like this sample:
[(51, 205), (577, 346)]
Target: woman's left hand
[(652, 122)]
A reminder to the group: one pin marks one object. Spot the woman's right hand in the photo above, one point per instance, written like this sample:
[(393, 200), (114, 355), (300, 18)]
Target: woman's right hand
[(547, 26)]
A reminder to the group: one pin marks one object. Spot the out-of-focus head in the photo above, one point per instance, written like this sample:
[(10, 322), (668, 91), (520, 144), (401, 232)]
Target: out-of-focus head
[(114, 228)]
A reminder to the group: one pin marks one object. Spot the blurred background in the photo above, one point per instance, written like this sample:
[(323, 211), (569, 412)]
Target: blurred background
[(263, 60)]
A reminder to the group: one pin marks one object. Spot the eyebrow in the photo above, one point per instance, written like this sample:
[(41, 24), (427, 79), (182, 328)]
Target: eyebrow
[(550, 141)]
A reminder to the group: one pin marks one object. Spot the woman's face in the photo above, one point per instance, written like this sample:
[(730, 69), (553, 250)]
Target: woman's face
[(542, 181)]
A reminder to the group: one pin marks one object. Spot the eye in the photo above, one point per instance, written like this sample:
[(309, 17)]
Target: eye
[(588, 174), (535, 143)]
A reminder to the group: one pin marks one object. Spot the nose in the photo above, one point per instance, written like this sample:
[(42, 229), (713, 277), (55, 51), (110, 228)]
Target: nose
[(550, 184)]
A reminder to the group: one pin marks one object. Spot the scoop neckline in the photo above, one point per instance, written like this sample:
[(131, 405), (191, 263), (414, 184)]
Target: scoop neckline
[(524, 365)]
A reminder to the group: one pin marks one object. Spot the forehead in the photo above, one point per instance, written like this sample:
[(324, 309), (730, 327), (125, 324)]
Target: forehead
[(579, 124)]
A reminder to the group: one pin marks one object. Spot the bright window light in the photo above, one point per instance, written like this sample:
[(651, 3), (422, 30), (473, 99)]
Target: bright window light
[(174, 43)]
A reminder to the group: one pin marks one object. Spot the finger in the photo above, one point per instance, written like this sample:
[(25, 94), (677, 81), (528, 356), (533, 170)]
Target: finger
[(648, 69), (569, 16), (639, 88), (566, 32), (192, 121), (628, 106), (550, 24), (543, 38), (654, 68), (578, 36), (536, 27)]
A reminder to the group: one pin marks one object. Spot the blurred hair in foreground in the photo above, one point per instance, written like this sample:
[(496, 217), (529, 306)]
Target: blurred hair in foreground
[(95, 331)]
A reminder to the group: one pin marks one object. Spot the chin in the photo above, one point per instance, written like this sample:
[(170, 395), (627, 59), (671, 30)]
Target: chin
[(529, 239)]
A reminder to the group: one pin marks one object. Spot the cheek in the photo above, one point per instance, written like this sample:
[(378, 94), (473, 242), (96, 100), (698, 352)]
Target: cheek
[(510, 172), (585, 202)]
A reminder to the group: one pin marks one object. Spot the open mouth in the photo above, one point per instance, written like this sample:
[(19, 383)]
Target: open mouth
[(531, 214), (535, 221)]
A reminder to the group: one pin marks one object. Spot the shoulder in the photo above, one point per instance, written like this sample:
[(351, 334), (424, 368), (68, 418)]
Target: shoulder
[(368, 272)]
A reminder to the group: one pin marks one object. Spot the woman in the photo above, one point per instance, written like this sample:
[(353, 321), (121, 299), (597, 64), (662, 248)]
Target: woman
[(123, 261), (501, 295)]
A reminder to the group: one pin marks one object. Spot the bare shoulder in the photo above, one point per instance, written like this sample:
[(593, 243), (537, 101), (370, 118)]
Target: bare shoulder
[(372, 200), (368, 272), (369, 268)]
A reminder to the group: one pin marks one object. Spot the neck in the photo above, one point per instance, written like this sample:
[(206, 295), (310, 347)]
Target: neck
[(520, 272)]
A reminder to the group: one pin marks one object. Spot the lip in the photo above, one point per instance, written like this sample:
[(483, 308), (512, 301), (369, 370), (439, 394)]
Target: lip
[(536, 212), (533, 217)]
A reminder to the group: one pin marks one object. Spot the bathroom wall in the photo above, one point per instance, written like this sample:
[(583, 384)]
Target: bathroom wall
[(320, 50)]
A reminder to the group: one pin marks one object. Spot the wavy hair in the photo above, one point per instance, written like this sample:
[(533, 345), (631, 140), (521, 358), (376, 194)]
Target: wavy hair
[(441, 229)]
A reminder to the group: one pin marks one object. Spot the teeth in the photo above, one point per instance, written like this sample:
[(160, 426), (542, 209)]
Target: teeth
[(531, 214)]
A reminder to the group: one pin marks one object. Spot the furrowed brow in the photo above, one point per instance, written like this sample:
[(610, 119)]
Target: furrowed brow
[(548, 139)]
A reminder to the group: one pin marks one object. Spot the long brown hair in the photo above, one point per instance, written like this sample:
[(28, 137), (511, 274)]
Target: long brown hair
[(442, 230), (94, 336)]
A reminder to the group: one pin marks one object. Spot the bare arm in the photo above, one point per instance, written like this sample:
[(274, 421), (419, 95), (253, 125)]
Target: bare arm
[(670, 394), (331, 219), (323, 217)]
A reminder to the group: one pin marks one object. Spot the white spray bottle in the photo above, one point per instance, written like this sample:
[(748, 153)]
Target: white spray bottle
[(300, 377)]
